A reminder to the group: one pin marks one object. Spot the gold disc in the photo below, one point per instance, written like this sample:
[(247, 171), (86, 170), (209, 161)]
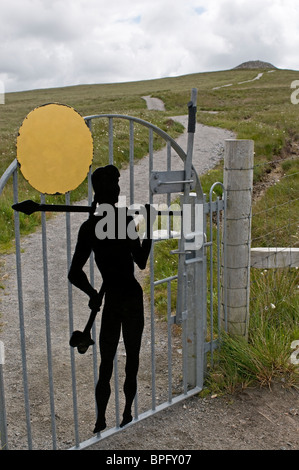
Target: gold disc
[(54, 149)]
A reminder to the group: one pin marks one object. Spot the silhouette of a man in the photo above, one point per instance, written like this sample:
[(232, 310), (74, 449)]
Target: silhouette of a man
[(123, 307)]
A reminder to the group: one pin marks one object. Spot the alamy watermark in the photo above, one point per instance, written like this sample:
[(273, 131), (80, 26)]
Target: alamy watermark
[(186, 221), (295, 94), (2, 92), (293, 357)]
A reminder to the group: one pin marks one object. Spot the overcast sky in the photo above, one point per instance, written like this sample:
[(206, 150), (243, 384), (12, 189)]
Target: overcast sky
[(50, 43)]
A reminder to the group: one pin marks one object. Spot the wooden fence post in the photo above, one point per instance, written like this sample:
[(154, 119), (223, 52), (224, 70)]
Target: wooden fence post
[(238, 183)]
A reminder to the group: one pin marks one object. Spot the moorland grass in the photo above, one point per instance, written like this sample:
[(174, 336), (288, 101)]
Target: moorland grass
[(260, 110)]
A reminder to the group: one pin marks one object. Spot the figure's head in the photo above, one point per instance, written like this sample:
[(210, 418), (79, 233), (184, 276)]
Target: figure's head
[(105, 184)]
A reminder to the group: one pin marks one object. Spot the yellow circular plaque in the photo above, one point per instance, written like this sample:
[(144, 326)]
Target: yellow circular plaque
[(54, 149)]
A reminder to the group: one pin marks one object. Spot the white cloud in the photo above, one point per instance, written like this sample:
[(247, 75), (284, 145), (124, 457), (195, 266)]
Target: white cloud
[(45, 43)]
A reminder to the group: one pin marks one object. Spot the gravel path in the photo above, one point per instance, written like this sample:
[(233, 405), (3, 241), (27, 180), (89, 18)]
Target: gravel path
[(154, 104), (194, 424)]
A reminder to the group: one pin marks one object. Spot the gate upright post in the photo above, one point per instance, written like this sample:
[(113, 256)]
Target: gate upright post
[(238, 183), (191, 294), (194, 295), (3, 424)]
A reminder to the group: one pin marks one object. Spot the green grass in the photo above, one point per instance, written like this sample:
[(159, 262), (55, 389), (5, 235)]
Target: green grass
[(275, 215), (259, 110), (274, 325)]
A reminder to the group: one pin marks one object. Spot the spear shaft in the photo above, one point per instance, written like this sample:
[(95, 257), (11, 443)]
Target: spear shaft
[(28, 207)]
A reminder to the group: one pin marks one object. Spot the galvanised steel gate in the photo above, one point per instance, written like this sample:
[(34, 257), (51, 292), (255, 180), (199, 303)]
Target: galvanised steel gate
[(174, 352)]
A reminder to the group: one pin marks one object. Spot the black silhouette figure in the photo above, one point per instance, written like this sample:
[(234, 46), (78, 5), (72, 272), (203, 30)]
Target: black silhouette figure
[(123, 306)]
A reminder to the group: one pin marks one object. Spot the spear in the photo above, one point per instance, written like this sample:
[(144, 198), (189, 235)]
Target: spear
[(28, 207)]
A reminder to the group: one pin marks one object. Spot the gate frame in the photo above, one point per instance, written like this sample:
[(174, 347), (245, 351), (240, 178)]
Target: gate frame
[(202, 347)]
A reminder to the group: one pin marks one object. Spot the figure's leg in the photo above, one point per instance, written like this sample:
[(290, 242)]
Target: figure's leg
[(109, 338), (132, 333)]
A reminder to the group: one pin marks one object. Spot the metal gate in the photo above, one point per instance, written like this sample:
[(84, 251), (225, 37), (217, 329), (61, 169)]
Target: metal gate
[(174, 353)]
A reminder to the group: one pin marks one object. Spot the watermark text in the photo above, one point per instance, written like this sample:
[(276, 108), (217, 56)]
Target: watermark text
[(151, 221), (293, 358), (295, 94)]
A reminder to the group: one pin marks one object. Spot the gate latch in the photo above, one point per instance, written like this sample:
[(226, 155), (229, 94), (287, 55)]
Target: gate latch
[(164, 182)]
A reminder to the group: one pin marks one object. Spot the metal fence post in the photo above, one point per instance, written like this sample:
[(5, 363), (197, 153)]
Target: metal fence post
[(238, 183)]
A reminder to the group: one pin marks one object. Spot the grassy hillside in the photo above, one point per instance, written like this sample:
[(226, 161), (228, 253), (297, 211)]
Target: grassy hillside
[(260, 110)]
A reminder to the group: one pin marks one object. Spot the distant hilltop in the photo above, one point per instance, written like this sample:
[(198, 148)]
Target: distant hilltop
[(255, 64)]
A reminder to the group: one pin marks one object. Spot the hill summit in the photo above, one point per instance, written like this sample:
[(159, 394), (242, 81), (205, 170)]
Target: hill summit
[(255, 64)]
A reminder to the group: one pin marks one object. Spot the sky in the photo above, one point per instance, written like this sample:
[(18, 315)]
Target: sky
[(56, 43)]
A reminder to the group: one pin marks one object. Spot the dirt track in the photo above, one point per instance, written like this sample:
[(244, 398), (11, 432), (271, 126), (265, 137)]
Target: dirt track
[(257, 419)]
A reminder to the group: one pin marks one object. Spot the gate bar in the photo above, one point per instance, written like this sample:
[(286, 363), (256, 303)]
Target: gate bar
[(91, 277), (146, 414), (48, 326), (110, 140), (131, 159), (151, 127), (21, 308), (169, 323), (116, 389), (152, 293), (71, 322)]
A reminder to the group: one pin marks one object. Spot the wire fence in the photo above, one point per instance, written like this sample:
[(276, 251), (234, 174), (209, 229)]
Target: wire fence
[(275, 238), (275, 220)]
